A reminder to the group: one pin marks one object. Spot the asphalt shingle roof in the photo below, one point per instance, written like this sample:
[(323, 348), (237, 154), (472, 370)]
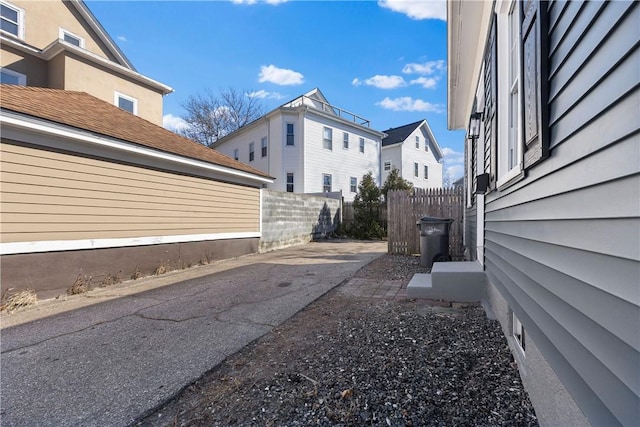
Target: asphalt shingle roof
[(83, 111), (399, 134)]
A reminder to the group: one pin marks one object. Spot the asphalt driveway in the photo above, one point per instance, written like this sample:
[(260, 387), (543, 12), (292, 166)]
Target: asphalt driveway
[(110, 356)]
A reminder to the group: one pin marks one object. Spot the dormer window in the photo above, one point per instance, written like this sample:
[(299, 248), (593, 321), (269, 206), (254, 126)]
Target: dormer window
[(11, 19), (125, 102), (71, 38)]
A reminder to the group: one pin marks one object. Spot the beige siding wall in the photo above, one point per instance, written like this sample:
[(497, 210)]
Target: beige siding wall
[(35, 69), (55, 196), (43, 20), (101, 83)]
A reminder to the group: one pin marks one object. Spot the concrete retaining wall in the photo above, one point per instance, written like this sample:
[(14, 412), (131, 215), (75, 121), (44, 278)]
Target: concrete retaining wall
[(291, 218)]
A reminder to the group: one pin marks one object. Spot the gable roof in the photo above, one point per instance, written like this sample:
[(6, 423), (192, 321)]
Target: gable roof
[(86, 112), (399, 134)]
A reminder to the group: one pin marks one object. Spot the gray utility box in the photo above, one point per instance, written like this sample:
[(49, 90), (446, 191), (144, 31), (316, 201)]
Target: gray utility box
[(434, 240)]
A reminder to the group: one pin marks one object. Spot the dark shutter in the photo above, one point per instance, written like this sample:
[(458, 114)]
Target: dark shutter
[(534, 81), (490, 104)]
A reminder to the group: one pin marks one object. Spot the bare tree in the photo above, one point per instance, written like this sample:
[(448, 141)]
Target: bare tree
[(210, 117)]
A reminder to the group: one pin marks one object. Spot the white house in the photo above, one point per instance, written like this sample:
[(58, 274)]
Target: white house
[(414, 151), (308, 146)]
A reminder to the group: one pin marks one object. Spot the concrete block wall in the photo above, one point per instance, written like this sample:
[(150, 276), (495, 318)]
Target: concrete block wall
[(291, 218)]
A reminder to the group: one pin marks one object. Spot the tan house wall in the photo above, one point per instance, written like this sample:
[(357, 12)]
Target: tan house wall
[(49, 196), (80, 75), (35, 69), (43, 20)]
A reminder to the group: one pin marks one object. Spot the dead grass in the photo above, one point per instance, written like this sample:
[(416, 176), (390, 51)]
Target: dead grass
[(136, 274), (110, 280), (13, 299), (161, 269), (80, 286)]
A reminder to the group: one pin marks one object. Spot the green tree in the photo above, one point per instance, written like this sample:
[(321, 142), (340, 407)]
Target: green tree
[(395, 182), (366, 208)]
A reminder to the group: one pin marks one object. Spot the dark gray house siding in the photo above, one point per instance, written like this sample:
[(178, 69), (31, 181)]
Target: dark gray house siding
[(562, 245), (470, 232)]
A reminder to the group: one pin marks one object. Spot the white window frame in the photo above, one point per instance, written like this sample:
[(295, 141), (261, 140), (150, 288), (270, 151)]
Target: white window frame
[(426, 145), (20, 23), (517, 332), (287, 183), (116, 101), (418, 142), (426, 171), (22, 78), (292, 134), (387, 166), (236, 154), (64, 32), (252, 151), (264, 147), (345, 140), (416, 169), (510, 138), (327, 138), (362, 145), (324, 185), (353, 184)]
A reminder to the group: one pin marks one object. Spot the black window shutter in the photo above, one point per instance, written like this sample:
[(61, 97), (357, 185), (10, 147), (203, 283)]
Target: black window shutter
[(535, 115), (490, 107)]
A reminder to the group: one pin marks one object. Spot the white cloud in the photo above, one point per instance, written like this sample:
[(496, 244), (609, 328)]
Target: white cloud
[(407, 103), (418, 9), (425, 82), (263, 94), (279, 76), (381, 82), (453, 173), (122, 38), (173, 123), (427, 68), (453, 157)]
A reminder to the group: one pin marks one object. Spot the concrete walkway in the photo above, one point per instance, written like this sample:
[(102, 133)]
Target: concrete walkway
[(110, 356)]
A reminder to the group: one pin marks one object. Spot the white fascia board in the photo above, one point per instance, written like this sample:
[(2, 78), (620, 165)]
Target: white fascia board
[(11, 120), (467, 31), (13, 248)]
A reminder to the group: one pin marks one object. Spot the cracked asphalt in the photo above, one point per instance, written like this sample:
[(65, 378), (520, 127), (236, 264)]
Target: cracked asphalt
[(110, 356)]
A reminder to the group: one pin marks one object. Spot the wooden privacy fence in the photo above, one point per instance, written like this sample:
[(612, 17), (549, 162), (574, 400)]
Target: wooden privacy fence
[(405, 209)]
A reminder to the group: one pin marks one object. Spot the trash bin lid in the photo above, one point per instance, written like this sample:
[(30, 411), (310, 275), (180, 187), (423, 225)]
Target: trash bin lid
[(435, 219)]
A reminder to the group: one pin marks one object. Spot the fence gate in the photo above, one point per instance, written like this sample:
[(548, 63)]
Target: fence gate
[(404, 210)]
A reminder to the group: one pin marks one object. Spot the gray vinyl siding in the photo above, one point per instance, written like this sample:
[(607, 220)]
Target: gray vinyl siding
[(563, 245), (471, 231)]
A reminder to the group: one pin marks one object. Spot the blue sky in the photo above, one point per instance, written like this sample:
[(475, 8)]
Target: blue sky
[(382, 60)]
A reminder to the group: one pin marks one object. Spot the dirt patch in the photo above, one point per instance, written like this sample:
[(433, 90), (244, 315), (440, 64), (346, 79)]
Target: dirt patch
[(353, 361)]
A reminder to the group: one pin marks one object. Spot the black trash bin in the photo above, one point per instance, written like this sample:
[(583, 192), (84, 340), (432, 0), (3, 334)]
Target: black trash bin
[(434, 240)]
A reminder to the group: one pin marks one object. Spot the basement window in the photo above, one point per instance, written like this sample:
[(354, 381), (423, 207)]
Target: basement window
[(518, 332)]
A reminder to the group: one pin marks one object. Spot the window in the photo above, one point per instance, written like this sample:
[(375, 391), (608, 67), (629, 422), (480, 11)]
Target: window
[(426, 172), (11, 19), (236, 154), (327, 139), (426, 144), (289, 133), (387, 166), (345, 140), (518, 331), (326, 183), (10, 77), (289, 182), (417, 142), (252, 152), (362, 145), (354, 184), (415, 169), (125, 102), (263, 146), (69, 37)]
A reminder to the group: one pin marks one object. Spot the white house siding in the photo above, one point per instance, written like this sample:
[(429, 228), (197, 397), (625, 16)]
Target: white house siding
[(253, 134), (391, 153), (291, 160), (562, 246), (411, 155), (340, 163)]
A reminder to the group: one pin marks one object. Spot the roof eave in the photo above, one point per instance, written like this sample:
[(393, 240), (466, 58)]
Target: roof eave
[(467, 27)]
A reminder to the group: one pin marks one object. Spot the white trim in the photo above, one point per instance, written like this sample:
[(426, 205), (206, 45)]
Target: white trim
[(20, 22), (9, 120), (22, 78), (64, 32), (71, 245), (116, 101)]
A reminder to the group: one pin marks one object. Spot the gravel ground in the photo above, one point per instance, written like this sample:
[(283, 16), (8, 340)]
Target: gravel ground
[(352, 361)]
